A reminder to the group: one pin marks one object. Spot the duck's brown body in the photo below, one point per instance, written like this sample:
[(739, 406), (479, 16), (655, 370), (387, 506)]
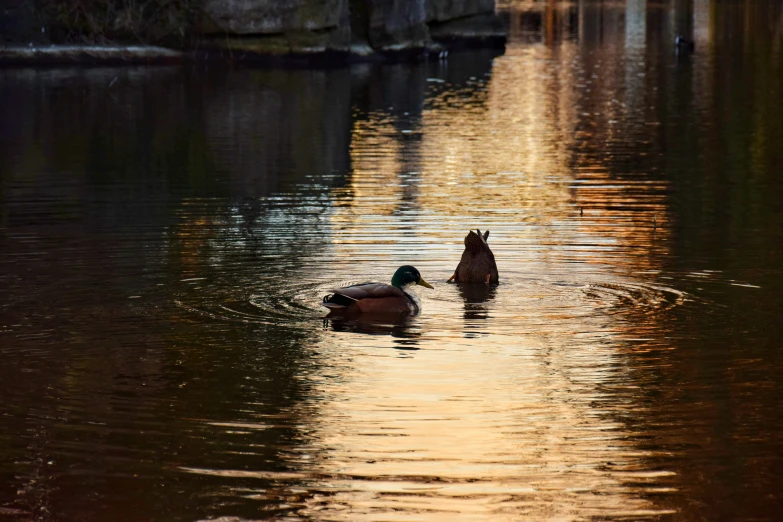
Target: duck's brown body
[(373, 298), (478, 262), (378, 298)]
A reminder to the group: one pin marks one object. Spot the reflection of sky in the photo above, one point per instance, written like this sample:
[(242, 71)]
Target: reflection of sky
[(185, 283), (509, 405), (507, 426), (520, 152)]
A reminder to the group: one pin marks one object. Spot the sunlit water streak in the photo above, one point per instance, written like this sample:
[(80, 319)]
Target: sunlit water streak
[(166, 240)]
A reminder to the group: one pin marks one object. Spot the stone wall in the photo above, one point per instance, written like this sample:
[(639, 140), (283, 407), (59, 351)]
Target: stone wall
[(397, 24), (286, 29), (256, 17), (282, 27), (445, 10)]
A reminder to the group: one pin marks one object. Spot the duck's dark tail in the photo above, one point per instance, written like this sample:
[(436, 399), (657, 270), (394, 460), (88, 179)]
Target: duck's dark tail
[(336, 301)]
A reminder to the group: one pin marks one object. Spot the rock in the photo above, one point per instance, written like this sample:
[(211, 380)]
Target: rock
[(486, 30), (359, 27), (397, 24), (257, 17), (276, 27), (444, 10), (88, 54), (291, 43)]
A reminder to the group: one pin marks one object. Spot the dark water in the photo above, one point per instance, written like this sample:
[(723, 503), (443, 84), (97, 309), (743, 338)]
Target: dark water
[(166, 236)]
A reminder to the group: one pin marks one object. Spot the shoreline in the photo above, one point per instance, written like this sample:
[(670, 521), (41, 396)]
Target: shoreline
[(105, 55), (55, 55)]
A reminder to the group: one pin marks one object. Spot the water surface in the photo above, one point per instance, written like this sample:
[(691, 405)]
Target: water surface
[(167, 234)]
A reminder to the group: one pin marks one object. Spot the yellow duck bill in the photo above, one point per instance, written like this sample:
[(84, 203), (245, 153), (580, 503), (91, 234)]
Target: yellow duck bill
[(422, 282)]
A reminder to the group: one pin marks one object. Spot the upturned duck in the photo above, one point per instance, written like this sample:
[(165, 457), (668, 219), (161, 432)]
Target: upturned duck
[(478, 262), (379, 298)]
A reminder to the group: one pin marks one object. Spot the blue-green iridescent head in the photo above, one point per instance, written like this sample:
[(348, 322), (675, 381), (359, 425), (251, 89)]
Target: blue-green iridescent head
[(408, 275)]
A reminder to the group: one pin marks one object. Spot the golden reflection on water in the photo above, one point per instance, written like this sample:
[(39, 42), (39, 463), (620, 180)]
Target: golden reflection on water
[(516, 434), (518, 153), (502, 404), (189, 350)]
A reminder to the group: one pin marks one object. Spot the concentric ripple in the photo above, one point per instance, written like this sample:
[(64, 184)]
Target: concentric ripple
[(167, 235), (639, 298)]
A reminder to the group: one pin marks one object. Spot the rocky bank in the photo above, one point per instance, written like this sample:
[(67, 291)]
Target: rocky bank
[(276, 30)]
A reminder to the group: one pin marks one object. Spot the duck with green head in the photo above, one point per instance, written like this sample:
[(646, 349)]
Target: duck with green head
[(379, 298)]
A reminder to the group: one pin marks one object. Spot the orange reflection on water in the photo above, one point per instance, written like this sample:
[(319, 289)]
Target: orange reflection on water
[(510, 407), (510, 425), (526, 147)]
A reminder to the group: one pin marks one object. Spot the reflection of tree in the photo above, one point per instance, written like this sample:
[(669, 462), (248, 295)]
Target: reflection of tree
[(742, 119), (130, 180), (724, 124), (184, 179), (689, 143), (712, 161)]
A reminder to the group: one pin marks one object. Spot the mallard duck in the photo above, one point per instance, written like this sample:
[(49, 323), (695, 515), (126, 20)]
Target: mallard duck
[(379, 298), (478, 262), (683, 44)]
